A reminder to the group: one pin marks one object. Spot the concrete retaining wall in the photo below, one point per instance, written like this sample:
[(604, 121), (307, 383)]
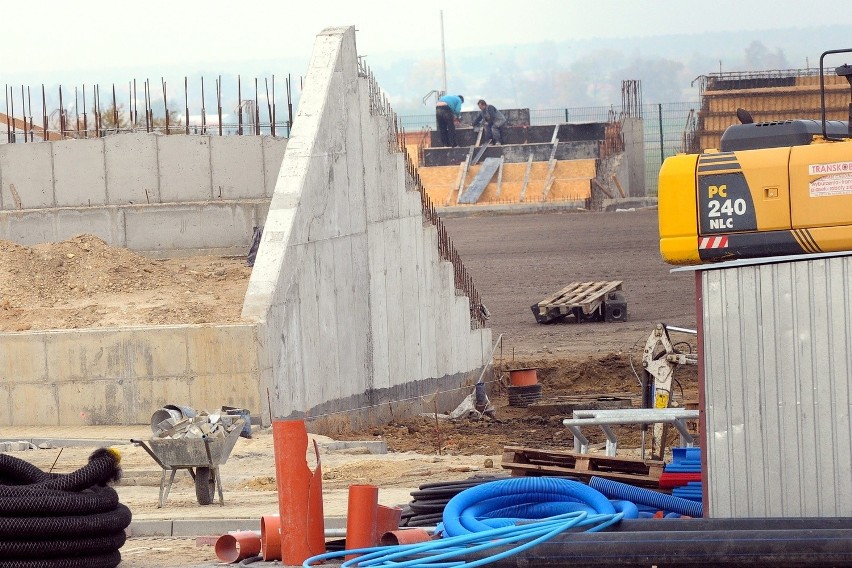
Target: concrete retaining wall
[(357, 309), (121, 376), (121, 187)]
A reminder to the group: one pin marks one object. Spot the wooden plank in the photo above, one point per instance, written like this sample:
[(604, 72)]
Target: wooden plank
[(519, 470), (618, 185), (500, 177), (526, 178), (601, 188), (578, 293), (528, 455), (551, 164), (464, 165)]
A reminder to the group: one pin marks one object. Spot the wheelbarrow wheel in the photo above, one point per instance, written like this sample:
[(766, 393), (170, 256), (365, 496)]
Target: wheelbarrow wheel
[(205, 485)]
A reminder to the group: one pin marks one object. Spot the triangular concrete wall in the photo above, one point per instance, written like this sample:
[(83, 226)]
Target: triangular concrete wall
[(359, 315)]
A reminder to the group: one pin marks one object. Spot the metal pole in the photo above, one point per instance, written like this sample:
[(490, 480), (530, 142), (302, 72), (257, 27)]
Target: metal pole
[(44, 114), (114, 108), (8, 127), (662, 149), (203, 110), (219, 101), (165, 103), (186, 101), (443, 55), (30, 103), (239, 107), (256, 110)]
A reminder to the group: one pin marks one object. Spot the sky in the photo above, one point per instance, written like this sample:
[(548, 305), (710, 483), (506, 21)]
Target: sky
[(84, 38)]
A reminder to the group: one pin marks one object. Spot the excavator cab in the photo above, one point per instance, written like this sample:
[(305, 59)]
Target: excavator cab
[(770, 189)]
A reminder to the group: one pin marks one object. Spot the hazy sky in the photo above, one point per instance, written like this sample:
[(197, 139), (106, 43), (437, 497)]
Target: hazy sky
[(90, 35)]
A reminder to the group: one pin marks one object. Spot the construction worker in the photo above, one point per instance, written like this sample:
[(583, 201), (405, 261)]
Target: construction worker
[(494, 122), (447, 112)]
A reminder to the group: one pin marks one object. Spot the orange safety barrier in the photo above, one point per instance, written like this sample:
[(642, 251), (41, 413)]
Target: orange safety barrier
[(300, 505)]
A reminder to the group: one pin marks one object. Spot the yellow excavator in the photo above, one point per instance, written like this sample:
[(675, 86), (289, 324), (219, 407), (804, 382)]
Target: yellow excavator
[(770, 189)]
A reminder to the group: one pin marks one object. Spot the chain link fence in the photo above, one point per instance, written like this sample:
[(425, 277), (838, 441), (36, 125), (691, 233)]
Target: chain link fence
[(669, 129)]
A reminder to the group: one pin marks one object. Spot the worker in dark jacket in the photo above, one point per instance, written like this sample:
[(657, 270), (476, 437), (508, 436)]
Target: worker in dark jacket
[(494, 122), (447, 112)]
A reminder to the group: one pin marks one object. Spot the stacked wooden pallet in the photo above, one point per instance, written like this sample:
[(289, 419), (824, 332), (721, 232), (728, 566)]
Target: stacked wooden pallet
[(534, 462), (583, 300)]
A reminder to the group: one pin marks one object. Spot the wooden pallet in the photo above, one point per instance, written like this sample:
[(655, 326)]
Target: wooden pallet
[(533, 462), (583, 300)]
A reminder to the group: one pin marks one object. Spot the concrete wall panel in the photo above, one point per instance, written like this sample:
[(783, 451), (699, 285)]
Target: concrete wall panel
[(27, 176), (103, 222), (6, 413), (79, 173), (220, 350), (210, 392), (132, 169), (324, 283), (364, 339), (411, 306), (346, 301), (188, 227), (273, 155), (22, 358), (34, 404), (184, 168), (237, 167), (379, 306), (121, 376)]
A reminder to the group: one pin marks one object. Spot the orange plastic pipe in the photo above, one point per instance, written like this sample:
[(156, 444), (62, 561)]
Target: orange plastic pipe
[(404, 536), (387, 519), (235, 546), (270, 537), (523, 377), (299, 493), (361, 516)]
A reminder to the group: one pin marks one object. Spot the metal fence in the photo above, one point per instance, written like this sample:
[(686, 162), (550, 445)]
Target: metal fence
[(667, 127)]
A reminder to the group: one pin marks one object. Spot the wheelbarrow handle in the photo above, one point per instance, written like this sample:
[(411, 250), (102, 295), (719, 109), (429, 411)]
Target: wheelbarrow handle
[(150, 453)]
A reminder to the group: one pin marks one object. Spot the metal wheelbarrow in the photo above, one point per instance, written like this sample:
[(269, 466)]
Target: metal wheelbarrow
[(200, 456)]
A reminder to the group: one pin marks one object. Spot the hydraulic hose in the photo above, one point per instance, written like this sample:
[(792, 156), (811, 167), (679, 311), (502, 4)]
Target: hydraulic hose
[(639, 496), (62, 520), (523, 498), (437, 553)]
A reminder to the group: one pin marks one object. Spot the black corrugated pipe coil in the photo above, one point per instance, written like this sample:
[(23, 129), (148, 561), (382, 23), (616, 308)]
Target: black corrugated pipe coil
[(61, 520)]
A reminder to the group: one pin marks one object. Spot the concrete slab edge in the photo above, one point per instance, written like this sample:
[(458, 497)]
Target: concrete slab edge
[(70, 442), (202, 527)]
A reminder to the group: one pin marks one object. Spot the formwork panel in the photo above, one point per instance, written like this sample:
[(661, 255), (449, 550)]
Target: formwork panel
[(777, 354)]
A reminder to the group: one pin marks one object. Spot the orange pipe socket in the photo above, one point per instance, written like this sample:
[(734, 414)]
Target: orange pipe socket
[(235, 546), (299, 493), (523, 377), (404, 536), (270, 537), (361, 517)]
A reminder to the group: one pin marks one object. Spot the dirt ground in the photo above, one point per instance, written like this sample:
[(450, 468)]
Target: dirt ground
[(515, 261)]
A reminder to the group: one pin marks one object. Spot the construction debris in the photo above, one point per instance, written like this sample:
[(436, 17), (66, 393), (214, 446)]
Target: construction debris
[(186, 423)]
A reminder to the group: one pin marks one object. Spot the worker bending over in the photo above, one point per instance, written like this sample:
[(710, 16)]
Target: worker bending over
[(447, 112)]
